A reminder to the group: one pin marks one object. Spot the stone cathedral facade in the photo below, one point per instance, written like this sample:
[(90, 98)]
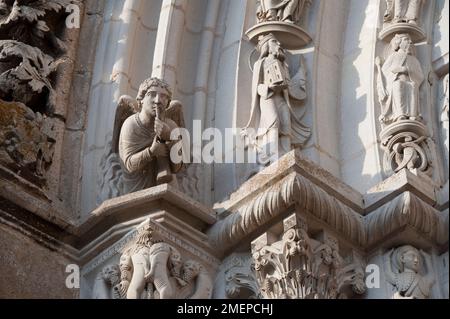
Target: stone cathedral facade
[(225, 149)]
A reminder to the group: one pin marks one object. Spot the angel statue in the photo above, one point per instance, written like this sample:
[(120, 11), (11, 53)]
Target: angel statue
[(142, 136)]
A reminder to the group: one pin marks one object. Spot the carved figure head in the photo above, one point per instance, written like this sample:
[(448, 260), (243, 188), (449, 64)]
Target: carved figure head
[(111, 274), (143, 240), (154, 94), (269, 44), (407, 258), (191, 269), (402, 42)]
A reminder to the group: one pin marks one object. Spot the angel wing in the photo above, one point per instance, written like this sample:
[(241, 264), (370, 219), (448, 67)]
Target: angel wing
[(175, 113), (126, 107)]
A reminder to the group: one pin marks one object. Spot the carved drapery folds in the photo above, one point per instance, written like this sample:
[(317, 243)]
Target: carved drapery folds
[(138, 156), (300, 267), (402, 16), (30, 53), (290, 11), (152, 269), (274, 128), (404, 135), (410, 273), (285, 19)]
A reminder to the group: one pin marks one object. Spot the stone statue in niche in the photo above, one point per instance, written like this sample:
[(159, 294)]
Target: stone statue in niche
[(289, 11), (406, 276), (142, 136), (402, 11), (399, 80), (272, 116)]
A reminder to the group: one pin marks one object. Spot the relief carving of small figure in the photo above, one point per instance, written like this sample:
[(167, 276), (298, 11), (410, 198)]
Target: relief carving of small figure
[(407, 277), (134, 265), (194, 282), (399, 80), (407, 11)]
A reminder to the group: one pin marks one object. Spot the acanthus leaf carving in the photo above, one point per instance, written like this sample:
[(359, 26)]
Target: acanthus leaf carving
[(240, 279), (25, 72), (26, 141), (33, 22), (30, 53)]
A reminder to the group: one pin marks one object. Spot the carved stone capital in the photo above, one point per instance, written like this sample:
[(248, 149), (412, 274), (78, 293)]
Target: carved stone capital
[(152, 265), (301, 267)]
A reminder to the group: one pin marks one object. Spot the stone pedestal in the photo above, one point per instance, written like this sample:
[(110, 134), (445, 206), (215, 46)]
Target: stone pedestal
[(291, 36), (406, 145), (416, 32)]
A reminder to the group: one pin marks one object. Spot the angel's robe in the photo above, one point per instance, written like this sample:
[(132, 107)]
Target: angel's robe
[(138, 165)]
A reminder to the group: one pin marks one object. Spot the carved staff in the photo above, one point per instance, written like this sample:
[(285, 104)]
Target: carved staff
[(164, 174)]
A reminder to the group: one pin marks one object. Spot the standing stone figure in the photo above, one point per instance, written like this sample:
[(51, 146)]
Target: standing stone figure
[(398, 11), (406, 277), (281, 10), (142, 136), (272, 114), (399, 80)]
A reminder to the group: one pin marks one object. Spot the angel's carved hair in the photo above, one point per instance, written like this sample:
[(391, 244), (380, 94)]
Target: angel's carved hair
[(147, 84)]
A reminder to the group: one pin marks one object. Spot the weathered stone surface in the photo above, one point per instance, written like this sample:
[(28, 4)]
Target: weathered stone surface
[(31, 270), (362, 186), (26, 141)]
